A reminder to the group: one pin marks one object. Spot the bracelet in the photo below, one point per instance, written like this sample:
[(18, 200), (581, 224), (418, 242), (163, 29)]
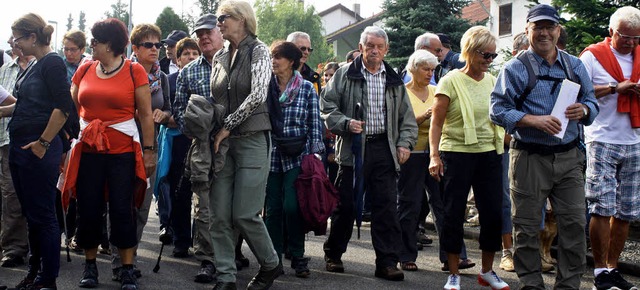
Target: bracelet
[(152, 148), (44, 143)]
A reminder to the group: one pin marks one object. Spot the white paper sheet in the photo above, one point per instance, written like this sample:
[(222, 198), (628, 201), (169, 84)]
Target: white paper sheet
[(568, 95)]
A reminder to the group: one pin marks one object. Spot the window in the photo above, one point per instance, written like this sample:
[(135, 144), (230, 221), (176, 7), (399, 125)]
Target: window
[(504, 27)]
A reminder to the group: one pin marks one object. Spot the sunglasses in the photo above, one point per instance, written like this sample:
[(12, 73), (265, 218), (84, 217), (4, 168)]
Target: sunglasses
[(304, 48), (487, 55), (223, 17), (149, 45)]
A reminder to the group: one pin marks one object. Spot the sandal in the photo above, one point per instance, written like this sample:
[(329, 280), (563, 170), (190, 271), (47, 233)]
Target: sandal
[(409, 266)]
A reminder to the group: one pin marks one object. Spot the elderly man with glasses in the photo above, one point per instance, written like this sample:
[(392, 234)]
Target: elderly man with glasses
[(303, 42)]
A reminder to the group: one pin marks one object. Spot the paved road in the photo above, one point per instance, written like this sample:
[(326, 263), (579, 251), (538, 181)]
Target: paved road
[(359, 259)]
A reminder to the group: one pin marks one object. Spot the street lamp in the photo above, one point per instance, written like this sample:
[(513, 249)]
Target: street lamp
[(56, 40)]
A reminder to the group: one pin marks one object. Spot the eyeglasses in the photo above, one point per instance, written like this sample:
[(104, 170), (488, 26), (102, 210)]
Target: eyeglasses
[(223, 17), (21, 37), (95, 41), (149, 45), (70, 49), (627, 37), (487, 55), (548, 28), (304, 48)]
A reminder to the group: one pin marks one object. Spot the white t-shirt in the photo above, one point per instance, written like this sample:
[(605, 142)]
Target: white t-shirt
[(610, 126)]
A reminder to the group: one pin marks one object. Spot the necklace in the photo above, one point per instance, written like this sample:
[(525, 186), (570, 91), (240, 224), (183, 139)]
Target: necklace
[(104, 71)]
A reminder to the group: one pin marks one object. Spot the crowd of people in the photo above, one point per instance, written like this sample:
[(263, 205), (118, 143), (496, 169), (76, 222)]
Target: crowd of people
[(224, 124)]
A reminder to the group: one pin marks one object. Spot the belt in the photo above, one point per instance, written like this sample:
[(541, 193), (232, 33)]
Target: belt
[(376, 137), (540, 149)]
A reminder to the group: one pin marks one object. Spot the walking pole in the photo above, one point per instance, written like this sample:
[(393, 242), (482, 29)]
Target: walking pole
[(157, 267)]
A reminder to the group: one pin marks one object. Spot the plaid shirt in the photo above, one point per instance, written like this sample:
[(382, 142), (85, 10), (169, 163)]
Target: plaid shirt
[(194, 78), (8, 76), (301, 117), (376, 109)]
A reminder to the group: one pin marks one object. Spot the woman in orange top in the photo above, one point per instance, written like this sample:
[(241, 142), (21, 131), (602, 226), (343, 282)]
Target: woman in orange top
[(109, 92)]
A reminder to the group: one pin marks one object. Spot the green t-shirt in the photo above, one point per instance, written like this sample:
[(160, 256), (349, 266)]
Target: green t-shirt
[(453, 129)]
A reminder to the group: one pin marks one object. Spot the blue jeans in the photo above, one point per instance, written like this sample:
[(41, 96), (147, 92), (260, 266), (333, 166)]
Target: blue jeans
[(35, 182)]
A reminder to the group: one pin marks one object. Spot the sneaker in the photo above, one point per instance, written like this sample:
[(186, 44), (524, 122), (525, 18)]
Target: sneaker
[(128, 279), (506, 262), (491, 279), (205, 275), (264, 279), (620, 282), (453, 282), (89, 276), (604, 281)]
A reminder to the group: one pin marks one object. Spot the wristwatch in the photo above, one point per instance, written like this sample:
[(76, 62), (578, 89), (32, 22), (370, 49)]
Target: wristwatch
[(613, 86), (44, 143), (152, 148)]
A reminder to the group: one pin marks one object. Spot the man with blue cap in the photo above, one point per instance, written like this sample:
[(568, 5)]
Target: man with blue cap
[(168, 63), (544, 163)]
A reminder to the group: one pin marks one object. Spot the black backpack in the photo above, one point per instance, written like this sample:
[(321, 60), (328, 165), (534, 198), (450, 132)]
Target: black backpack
[(533, 70)]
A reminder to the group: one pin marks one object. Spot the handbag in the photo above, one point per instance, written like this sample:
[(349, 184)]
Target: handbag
[(290, 146)]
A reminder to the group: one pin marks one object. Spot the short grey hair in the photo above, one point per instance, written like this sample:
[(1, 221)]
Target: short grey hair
[(520, 42), (293, 36), (627, 14), (425, 40), (421, 57), (375, 31)]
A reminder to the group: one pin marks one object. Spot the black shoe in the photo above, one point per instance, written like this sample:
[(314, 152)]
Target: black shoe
[(463, 264), (366, 216), (11, 262), (89, 276), (166, 235), (264, 279), (334, 265), (243, 260), (604, 281), (180, 253), (26, 282), (128, 279), (287, 254), (391, 273), (205, 275), (620, 282), (423, 239), (42, 286), (300, 265), (224, 286)]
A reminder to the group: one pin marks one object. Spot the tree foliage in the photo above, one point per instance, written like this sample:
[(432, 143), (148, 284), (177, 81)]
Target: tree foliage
[(278, 18), (408, 19), (69, 22), (119, 10), (82, 21), (208, 6), (589, 21), (168, 20)]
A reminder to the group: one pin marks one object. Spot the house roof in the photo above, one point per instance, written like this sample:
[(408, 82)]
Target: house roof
[(355, 27), (339, 6), (474, 12)]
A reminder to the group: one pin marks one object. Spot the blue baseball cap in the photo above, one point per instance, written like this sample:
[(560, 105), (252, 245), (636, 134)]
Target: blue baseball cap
[(543, 12)]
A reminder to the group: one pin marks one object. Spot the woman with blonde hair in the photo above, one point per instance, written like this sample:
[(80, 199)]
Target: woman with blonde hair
[(44, 102), (465, 153)]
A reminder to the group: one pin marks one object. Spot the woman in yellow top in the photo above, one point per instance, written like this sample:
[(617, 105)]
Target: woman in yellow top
[(465, 148), (413, 173)]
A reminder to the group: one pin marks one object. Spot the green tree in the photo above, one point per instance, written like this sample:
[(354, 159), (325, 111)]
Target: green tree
[(408, 19), (278, 18), (82, 21), (168, 20), (119, 10), (208, 6), (590, 20), (69, 22)]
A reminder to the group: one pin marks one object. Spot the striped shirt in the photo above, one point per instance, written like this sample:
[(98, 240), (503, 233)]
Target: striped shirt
[(301, 117), (8, 76), (376, 109), (511, 83), (192, 79)]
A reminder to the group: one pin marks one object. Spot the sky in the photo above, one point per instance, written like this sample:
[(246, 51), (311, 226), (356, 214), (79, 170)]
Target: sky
[(144, 11)]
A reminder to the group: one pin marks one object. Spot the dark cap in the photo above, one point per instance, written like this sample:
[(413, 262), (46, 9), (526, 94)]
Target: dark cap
[(207, 21), (174, 37), (543, 12), (444, 39)]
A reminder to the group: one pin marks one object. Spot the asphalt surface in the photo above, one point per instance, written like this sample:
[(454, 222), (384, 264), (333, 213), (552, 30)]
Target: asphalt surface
[(358, 261)]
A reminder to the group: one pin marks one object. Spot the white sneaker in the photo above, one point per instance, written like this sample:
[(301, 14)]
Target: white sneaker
[(491, 279), (453, 282)]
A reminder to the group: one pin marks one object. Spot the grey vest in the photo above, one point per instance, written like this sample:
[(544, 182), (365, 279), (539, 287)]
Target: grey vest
[(230, 86)]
